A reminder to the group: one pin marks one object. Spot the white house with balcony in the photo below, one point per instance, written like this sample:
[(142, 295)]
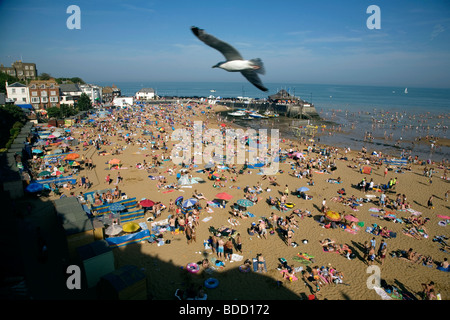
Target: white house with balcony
[(18, 93), (93, 91), (145, 94)]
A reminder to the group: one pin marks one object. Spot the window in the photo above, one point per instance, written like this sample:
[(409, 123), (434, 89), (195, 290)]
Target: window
[(43, 93), (35, 100), (34, 93), (23, 90), (53, 99), (13, 90), (53, 93), (24, 99), (44, 99)]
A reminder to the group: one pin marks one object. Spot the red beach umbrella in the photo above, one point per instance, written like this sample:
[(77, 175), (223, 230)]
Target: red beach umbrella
[(224, 196), (146, 203)]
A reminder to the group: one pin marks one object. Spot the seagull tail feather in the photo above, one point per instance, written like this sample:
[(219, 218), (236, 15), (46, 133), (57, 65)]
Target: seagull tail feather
[(258, 62)]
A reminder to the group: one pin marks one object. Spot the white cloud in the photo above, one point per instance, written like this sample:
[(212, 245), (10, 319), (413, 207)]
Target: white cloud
[(438, 29)]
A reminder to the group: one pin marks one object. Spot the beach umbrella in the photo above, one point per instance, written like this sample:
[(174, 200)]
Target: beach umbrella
[(113, 230), (51, 136), (34, 187), (351, 218), (146, 203), (130, 227), (72, 156), (44, 173), (189, 202), (333, 216), (116, 207), (37, 151), (178, 200), (224, 196), (303, 189), (245, 203), (75, 164), (114, 161), (213, 176)]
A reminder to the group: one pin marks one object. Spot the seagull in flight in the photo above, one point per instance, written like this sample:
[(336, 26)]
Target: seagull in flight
[(234, 62)]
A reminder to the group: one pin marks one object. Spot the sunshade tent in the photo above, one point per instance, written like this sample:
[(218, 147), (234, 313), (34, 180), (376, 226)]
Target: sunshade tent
[(114, 161), (34, 187), (303, 189), (224, 196), (72, 156), (244, 203), (367, 170), (333, 216)]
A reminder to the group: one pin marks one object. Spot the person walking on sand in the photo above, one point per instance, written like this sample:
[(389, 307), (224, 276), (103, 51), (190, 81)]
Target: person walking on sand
[(238, 242), (430, 203), (220, 249), (371, 257)]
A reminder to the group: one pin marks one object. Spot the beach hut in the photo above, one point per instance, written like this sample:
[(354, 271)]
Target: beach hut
[(125, 283), (97, 259)]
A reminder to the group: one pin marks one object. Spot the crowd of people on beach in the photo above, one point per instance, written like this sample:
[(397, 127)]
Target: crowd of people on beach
[(104, 137)]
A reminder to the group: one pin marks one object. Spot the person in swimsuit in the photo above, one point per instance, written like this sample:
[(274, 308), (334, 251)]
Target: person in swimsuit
[(220, 250), (261, 261)]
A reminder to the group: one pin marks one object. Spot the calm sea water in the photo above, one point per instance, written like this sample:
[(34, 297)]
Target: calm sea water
[(392, 117)]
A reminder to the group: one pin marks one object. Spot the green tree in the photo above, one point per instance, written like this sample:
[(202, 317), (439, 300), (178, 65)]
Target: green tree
[(54, 112), (12, 119), (45, 76), (66, 111), (84, 103)]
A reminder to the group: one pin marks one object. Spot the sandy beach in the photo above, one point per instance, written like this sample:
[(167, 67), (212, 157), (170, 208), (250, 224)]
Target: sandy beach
[(165, 265)]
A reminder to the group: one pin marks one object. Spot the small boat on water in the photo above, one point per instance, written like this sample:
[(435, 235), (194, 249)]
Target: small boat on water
[(406, 90), (257, 115), (237, 113), (271, 114)]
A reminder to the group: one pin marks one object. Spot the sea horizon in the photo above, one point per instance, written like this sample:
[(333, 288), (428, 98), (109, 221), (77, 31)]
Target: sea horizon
[(400, 116)]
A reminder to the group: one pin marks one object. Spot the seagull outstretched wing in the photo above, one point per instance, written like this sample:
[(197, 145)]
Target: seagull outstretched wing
[(254, 79), (228, 51)]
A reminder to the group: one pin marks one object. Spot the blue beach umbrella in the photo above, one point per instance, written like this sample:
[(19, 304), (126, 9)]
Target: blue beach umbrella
[(244, 203), (37, 151), (189, 202), (303, 189), (116, 207), (34, 187)]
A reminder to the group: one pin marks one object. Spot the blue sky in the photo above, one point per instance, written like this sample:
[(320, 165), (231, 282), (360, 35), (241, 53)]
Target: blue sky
[(317, 42)]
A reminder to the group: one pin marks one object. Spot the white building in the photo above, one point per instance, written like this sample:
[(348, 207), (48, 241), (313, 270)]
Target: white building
[(94, 92), (123, 101), (18, 92), (145, 94), (69, 93)]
